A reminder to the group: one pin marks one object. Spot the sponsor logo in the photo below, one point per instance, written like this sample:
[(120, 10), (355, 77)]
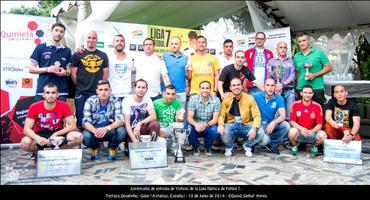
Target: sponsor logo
[(100, 44), (11, 83), (11, 68), (137, 33), (27, 83), (298, 113), (240, 42), (24, 35)]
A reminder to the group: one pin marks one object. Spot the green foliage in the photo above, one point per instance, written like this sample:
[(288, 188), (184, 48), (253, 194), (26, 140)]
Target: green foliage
[(363, 57), (43, 8), (295, 47), (363, 100)]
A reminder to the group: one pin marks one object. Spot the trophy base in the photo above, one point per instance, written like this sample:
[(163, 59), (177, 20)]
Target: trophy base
[(180, 160)]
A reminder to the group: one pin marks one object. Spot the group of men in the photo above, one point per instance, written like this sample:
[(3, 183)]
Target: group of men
[(249, 96)]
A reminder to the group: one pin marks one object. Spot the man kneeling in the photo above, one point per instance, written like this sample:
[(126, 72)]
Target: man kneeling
[(45, 120)]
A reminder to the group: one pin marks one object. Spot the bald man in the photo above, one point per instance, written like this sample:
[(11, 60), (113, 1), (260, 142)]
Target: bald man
[(87, 69)]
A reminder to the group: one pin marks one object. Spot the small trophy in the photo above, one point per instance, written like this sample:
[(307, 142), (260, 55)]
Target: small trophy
[(307, 66), (180, 135), (145, 138), (56, 141), (276, 74), (57, 64)]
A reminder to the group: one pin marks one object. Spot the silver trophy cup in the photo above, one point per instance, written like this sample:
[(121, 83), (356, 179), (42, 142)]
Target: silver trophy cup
[(180, 136), (56, 141)]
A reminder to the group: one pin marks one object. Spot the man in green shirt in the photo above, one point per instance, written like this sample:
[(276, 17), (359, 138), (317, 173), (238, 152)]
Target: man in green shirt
[(169, 115), (317, 64)]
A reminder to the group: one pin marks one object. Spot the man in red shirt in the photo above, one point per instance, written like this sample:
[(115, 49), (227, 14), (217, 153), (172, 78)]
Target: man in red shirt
[(257, 59), (45, 120), (307, 121)]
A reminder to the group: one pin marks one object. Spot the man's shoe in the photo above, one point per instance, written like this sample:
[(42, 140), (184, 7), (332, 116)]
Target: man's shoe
[(273, 148), (314, 151), (188, 147), (111, 154), (94, 154), (248, 152), (196, 152), (287, 144), (228, 152), (294, 150), (208, 152)]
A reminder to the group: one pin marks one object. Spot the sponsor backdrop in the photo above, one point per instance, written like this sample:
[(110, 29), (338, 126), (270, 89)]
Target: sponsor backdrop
[(21, 33)]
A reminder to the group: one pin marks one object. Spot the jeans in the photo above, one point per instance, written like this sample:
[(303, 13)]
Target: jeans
[(80, 103), (289, 99), (236, 129), (210, 134), (115, 137), (278, 135)]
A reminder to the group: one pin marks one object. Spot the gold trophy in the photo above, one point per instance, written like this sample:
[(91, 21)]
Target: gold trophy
[(180, 135)]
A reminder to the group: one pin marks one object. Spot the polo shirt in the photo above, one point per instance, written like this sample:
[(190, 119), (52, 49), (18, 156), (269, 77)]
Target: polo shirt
[(268, 108), (176, 68)]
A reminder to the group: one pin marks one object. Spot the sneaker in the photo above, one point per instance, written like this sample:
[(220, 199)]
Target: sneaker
[(94, 154), (111, 154), (248, 152), (273, 148), (294, 150), (228, 152), (314, 151), (287, 144), (188, 147), (196, 152), (208, 152)]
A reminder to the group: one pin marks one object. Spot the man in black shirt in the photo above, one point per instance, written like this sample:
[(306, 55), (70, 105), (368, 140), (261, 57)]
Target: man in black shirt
[(236, 70), (342, 117)]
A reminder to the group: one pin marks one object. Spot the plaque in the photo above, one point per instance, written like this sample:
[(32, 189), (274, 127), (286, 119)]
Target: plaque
[(341, 152), (148, 155), (63, 162)]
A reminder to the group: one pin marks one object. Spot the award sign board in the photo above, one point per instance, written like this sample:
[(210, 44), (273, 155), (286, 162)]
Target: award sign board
[(64, 162), (148, 155), (341, 152)]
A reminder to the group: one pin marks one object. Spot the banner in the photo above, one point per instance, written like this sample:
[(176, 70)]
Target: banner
[(19, 36)]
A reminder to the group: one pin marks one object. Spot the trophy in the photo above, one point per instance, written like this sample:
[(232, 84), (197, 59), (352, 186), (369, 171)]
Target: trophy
[(145, 138), (57, 64), (276, 72), (56, 141), (307, 66), (180, 135)]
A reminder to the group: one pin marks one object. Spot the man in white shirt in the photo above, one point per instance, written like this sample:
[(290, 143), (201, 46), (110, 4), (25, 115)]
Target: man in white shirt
[(226, 58), (151, 68)]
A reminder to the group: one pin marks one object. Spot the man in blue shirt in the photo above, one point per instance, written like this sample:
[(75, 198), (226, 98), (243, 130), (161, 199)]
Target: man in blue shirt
[(51, 61), (272, 105), (176, 66)]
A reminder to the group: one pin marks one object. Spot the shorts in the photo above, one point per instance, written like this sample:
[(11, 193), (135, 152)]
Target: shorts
[(47, 135)]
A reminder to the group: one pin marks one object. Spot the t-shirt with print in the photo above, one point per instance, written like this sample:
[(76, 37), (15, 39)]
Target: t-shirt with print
[(89, 70), (48, 120), (120, 75), (306, 116), (137, 110), (166, 112), (229, 72), (203, 69), (260, 65), (343, 114)]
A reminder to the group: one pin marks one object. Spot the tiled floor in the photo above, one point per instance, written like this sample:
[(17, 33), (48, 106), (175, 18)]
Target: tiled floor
[(262, 169)]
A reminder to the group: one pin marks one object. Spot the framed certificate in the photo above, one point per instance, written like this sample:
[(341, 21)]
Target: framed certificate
[(341, 152), (148, 155), (63, 162)]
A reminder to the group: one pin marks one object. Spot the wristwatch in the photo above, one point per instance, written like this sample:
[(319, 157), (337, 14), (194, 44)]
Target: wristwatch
[(109, 128)]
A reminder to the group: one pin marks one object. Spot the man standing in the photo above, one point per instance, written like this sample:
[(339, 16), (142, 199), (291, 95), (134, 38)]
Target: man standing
[(236, 70), (306, 120), (202, 116), (227, 57), (271, 104), (53, 60), (257, 59), (139, 113), (151, 68), (202, 66), (190, 50), (87, 69), (282, 70), (120, 69), (103, 121), (168, 114), (317, 64), (342, 117), (176, 66), (45, 120), (240, 117)]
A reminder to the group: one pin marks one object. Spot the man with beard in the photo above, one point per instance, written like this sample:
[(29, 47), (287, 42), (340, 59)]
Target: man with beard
[(342, 117), (240, 117), (45, 120), (120, 69), (53, 60), (103, 121), (306, 122)]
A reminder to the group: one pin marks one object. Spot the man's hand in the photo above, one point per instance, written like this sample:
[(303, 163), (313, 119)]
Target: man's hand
[(304, 132), (311, 76), (252, 134), (270, 128), (42, 141), (52, 69), (221, 130), (79, 49), (279, 88), (199, 127), (100, 132)]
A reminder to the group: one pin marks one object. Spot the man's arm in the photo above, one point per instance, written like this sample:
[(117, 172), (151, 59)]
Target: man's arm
[(221, 89), (28, 124), (152, 116), (214, 119), (259, 85), (71, 122), (166, 79), (217, 76), (128, 128), (356, 125), (73, 74), (105, 73), (329, 119), (326, 69)]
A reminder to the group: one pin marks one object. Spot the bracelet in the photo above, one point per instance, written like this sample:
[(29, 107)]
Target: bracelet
[(109, 128)]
